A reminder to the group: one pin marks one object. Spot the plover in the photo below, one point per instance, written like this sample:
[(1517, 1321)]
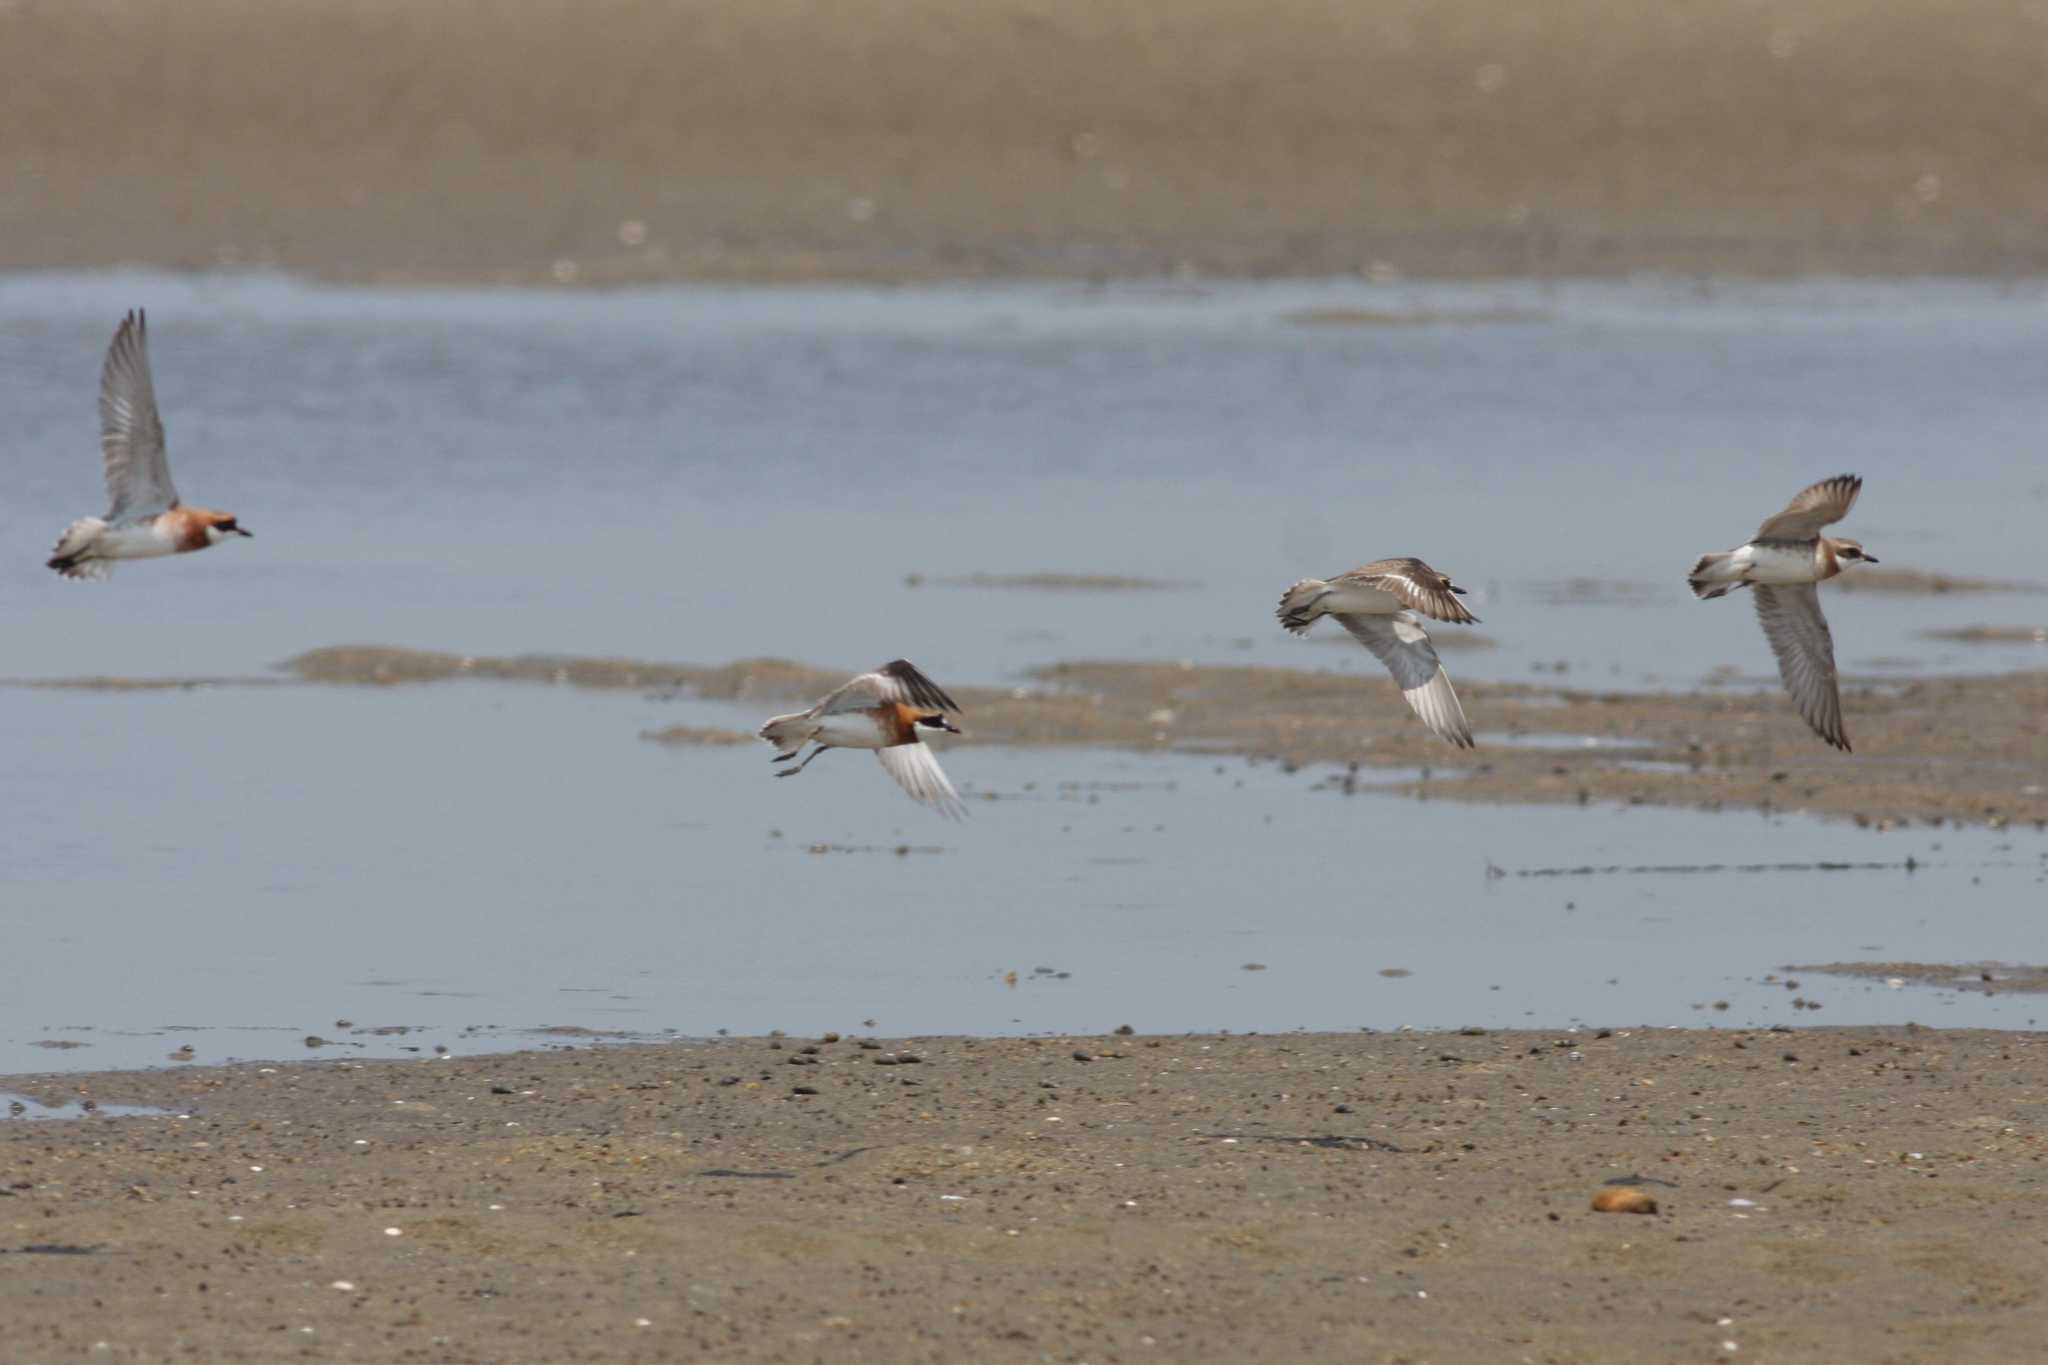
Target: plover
[(1783, 562), (883, 711), (146, 519), (1377, 603)]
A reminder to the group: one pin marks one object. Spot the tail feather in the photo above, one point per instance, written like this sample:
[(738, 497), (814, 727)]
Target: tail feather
[(71, 555), (1298, 604), (787, 732), (1711, 576)]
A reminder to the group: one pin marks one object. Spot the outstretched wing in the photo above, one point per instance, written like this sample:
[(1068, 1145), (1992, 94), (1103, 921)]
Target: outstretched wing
[(1416, 585), (1403, 646), (131, 433), (1799, 636), (917, 771), (896, 681), (1822, 504)]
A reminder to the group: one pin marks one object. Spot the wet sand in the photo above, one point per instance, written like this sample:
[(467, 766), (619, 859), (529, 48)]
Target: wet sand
[(1822, 1195), (1924, 752), (1984, 978), (612, 142)]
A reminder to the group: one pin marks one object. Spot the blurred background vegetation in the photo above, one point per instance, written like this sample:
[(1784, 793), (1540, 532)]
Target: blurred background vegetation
[(602, 141)]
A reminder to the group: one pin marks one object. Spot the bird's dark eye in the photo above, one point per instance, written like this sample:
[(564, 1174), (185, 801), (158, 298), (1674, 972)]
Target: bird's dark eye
[(228, 525)]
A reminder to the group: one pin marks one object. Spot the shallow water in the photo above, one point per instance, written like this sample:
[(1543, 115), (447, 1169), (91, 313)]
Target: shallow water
[(470, 864), (28, 1109), (705, 474), (713, 473)]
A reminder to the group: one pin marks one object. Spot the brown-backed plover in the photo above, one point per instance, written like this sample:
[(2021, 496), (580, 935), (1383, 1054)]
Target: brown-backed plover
[(1783, 562), (1378, 603)]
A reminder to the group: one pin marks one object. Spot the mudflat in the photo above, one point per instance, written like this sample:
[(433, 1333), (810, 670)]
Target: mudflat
[(1709, 747), (1870, 1195), (611, 141)]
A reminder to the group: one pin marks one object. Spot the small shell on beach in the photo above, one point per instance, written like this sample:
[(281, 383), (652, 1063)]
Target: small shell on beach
[(1623, 1199)]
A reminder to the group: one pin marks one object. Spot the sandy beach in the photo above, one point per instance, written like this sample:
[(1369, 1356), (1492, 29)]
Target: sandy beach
[(615, 142), (1821, 1195)]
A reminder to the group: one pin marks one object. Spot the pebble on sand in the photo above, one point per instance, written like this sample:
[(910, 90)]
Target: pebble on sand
[(1623, 1199)]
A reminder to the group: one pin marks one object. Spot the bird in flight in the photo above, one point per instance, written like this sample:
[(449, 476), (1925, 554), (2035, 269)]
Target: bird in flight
[(883, 711), (1378, 603), (146, 519), (1784, 562)]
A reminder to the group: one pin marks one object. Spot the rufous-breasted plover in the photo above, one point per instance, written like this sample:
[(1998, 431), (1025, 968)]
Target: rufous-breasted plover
[(883, 711), (146, 519)]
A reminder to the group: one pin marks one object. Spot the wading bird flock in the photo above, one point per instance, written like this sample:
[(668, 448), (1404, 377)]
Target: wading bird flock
[(1379, 603)]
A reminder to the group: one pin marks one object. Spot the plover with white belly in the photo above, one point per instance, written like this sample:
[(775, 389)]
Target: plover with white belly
[(1377, 603), (1784, 562)]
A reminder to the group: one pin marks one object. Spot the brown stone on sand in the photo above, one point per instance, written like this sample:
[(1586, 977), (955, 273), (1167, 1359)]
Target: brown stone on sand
[(1623, 1199)]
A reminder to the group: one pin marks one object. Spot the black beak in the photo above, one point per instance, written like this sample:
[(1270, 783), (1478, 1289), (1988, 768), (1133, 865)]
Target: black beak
[(240, 532), (1870, 559)]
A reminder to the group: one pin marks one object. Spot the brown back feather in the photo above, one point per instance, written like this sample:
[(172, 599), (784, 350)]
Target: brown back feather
[(1813, 507), (1419, 587)]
